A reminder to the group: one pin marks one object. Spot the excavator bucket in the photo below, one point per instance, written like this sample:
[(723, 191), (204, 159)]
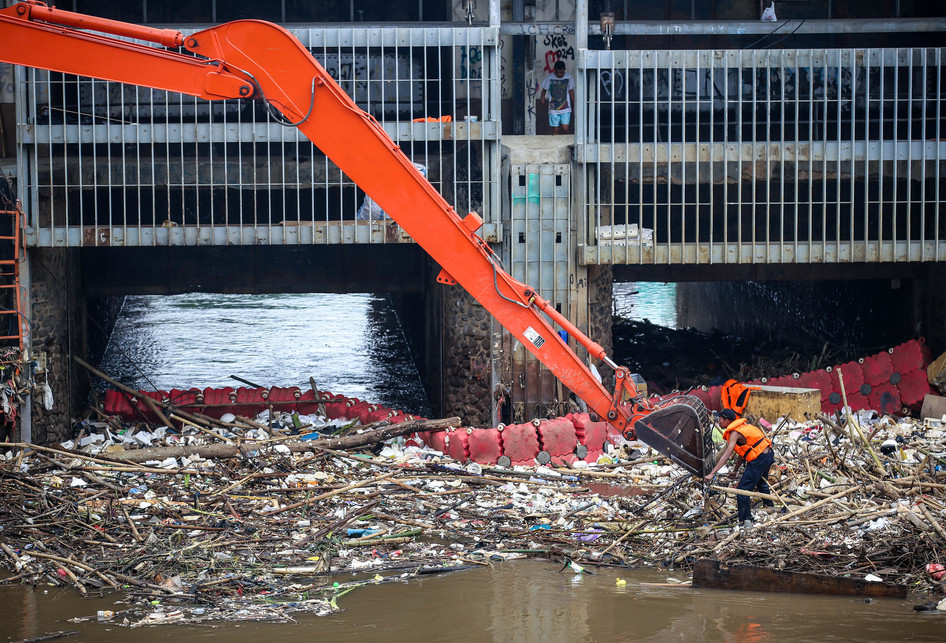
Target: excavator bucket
[(680, 429)]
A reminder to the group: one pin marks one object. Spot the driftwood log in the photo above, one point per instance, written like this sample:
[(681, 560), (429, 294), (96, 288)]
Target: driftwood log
[(352, 441)]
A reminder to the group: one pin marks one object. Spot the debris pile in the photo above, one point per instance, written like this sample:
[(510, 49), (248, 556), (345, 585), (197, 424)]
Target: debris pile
[(261, 518)]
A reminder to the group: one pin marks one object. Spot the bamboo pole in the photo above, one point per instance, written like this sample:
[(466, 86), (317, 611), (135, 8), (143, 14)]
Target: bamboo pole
[(852, 419), (354, 485), (807, 508), (935, 523)]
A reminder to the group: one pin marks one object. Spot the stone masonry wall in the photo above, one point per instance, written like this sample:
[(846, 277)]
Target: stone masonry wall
[(55, 307), (600, 313), (466, 358)]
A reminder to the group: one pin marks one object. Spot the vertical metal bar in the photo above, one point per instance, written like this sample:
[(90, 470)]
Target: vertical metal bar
[(740, 136), (675, 68), (713, 146), (725, 160), (811, 158), (908, 193), (640, 173), (852, 100), (124, 169), (796, 136), (839, 80), (49, 148), (581, 46), (824, 150), (881, 129), (896, 148), (938, 161), (680, 144), (867, 150), (453, 67), (781, 147), (96, 205), (694, 144), (924, 68), (656, 167), (754, 154)]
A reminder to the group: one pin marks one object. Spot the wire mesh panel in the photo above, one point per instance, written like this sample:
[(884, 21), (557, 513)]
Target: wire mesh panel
[(107, 164), (763, 156)]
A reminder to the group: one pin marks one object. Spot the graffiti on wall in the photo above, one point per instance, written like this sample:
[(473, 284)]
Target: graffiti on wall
[(549, 49), (6, 83), (471, 62)]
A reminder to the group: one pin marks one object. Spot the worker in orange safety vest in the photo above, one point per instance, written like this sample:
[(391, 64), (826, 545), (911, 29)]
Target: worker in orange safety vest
[(753, 448), (735, 395)]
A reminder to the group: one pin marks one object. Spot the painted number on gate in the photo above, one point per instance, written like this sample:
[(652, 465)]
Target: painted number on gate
[(536, 339)]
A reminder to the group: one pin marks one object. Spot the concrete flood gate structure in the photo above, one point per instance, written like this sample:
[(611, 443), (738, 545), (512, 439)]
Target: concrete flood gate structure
[(471, 367)]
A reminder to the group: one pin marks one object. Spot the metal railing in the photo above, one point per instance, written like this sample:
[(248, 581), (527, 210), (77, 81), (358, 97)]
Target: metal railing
[(763, 156), (119, 165)]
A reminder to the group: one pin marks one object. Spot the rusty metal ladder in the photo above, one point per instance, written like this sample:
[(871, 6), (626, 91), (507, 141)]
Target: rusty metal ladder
[(11, 295)]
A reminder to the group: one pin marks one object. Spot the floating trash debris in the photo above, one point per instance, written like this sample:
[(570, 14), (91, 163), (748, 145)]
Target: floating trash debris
[(209, 519)]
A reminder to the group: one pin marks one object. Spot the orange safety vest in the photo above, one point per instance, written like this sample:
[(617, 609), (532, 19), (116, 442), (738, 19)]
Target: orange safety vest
[(756, 442), (735, 395)]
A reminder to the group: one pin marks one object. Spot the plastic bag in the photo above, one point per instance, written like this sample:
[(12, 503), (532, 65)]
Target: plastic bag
[(768, 14)]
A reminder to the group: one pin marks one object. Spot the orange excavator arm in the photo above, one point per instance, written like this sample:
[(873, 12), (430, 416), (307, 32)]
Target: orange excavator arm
[(250, 58)]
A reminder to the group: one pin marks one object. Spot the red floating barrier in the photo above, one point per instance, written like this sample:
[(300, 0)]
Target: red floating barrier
[(436, 441), (819, 379), (853, 377), (486, 445), (457, 445), (118, 403), (857, 401), (281, 394), (877, 369), (422, 436), (249, 402), (358, 410), (217, 400), (828, 406), (307, 403), (414, 440), (913, 355), (178, 397), (520, 443), (702, 394), (557, 437), (914, 386), (589, 433), (715, 398), (397, 417), (337, 408), (885, 398), (377, 415)]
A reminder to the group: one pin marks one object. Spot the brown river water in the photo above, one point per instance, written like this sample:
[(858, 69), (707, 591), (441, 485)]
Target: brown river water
[(518, 601)]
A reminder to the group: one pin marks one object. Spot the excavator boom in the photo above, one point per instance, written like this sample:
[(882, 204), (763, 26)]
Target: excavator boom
[(251, 58)]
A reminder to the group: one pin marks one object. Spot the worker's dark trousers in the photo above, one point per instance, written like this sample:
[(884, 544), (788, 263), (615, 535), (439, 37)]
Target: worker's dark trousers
[(754, 478)]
